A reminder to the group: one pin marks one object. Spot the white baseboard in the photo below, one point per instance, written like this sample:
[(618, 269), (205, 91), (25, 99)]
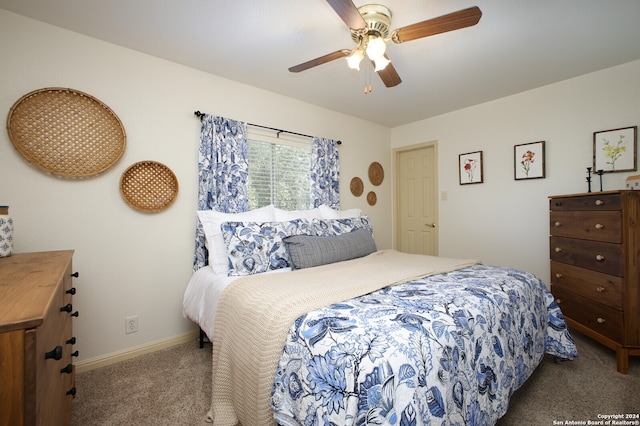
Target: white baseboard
[(115, 357)]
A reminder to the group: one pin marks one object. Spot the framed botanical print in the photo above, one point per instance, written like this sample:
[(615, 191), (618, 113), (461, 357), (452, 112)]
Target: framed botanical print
[(470, 168), (528, 161), (615, 150)]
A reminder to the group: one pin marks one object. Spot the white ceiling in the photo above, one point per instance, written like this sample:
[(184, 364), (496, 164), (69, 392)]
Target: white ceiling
[(517, 45)]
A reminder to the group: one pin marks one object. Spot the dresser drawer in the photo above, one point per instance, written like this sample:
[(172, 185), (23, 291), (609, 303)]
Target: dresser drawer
[(587, 225), (596, 316), (593, 255), (587, 202), (601, 288)]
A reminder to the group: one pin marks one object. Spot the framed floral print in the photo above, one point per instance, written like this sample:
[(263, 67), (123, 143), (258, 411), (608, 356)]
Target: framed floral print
[(528, 161), (470, 168), (615, 150)]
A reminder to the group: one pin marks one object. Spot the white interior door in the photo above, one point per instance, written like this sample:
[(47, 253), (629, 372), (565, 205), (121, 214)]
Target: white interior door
[(416, 209)]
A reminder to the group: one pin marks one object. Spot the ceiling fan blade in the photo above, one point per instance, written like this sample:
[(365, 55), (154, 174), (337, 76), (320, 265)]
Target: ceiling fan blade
[(453, 21), (389, 75), (321, 60), (348, 12)]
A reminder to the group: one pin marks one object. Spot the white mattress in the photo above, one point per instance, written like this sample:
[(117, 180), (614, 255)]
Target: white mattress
[(202, 295)]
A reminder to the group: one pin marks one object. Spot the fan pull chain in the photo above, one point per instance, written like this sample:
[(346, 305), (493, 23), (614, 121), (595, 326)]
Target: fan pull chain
[(367, 79)]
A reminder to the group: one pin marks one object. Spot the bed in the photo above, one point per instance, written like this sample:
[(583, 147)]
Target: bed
[(378, 338)]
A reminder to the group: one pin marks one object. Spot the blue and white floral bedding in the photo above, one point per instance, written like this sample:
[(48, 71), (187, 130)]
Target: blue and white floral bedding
[(449, 349)]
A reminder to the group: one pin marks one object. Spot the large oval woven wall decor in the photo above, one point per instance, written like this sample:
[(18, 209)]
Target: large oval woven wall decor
[(376, 173), (66, 132), (149, 186)]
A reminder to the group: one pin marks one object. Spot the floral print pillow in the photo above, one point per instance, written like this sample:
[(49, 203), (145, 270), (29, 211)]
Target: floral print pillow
[(256, 247), (332, 227)]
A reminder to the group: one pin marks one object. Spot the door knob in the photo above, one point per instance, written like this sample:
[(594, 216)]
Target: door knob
[(430, 225)]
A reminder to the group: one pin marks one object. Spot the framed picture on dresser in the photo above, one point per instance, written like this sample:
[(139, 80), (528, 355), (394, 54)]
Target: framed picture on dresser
[(615, 150)]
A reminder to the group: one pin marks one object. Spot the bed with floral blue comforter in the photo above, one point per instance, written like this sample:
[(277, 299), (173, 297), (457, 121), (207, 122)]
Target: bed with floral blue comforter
[(448, 349)]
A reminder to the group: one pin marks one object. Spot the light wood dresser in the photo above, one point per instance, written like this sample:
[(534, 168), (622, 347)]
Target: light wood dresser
[(595, 267), (37, 376)]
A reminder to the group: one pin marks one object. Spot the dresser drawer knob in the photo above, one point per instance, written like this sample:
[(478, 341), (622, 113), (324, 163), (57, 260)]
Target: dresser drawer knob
[(599, 202), (67, 308), (71, 291), (599, 226), (71, 341), (75, 314), (558, 275), (72, 392), (558, 301), (557, 224), (55, 353), (75, 275), (76, 353), (558, 249), (67, 370), (601, 320), (600, 289), (600, 258)]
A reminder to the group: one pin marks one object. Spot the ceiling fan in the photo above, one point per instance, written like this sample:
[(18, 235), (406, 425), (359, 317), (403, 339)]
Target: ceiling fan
[(370, 29)]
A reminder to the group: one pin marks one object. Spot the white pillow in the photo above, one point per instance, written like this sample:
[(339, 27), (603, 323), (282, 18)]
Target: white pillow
[(329, 213), (211, 221), (286, 215)]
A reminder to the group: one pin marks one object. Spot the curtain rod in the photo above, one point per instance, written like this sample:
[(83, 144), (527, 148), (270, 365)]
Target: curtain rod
[(201, 114)]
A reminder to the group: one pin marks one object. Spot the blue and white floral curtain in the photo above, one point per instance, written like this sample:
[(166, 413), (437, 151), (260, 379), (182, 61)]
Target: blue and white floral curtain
[(222, 173), (325, 173)]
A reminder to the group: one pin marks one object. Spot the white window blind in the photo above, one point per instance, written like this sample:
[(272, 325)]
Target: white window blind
[(278, 174)]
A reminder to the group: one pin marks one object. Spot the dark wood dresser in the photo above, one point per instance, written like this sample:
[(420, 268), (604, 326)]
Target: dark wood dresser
[(595, 267), (37, 375)]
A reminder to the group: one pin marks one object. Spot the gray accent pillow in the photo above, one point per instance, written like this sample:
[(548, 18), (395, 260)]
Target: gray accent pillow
[(306, 251)]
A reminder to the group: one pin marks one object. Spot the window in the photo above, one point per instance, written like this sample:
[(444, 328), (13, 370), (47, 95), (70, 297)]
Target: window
[(278, 173)]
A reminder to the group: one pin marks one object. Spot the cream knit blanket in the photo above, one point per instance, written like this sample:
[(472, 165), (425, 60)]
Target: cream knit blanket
[(256, 312)]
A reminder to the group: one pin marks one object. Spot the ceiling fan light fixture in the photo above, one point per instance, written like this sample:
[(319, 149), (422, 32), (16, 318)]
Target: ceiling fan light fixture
[(376, 47), (354, 59), (381, 63)]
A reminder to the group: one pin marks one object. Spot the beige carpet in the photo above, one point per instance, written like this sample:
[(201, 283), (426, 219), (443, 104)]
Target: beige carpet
[(173, 387)]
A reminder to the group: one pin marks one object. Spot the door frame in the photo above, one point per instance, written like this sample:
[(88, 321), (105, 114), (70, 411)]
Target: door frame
[(396, 208)]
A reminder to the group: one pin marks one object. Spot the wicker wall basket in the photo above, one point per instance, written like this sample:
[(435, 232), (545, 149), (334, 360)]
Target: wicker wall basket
[(149, 186), (66, 132)]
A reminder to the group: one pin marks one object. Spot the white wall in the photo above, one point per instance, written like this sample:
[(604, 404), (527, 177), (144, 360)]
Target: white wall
[(504, 221), (133, 263)]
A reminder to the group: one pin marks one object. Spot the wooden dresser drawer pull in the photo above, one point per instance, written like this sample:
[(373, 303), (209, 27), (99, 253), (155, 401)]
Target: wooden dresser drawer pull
[(600, 320), (600, 258), (55, 353), (558, 249), (558, 275), (599, 202), (557, 224), (600, 289), (599, 226)]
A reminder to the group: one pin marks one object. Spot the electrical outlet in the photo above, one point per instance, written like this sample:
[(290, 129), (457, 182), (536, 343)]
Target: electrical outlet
[(131, 324)]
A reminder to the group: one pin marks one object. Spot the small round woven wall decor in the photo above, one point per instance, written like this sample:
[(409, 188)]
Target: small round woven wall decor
[(149, 186), (372, 198), (66, 132), (357, 186), (376, 173)]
